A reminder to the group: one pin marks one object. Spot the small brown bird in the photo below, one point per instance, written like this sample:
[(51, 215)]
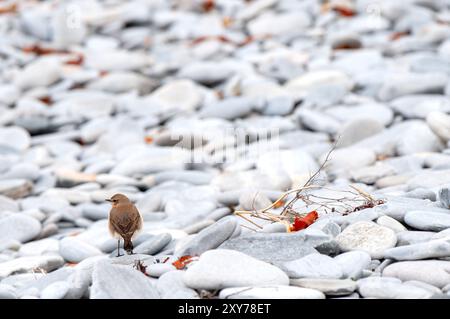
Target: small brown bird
[(124, 221)]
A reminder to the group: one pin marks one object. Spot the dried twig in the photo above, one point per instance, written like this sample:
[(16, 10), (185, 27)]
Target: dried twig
[(346, 202)]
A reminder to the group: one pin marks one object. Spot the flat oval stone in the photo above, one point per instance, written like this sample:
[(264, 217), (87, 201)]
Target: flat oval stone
[(223, 268), (426, 220), (271, 292), (367, 236)]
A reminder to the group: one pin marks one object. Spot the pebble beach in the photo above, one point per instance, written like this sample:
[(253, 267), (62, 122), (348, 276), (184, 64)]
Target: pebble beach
[(226, 122)]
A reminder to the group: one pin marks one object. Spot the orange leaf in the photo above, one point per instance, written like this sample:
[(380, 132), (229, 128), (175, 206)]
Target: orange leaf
[(148, 139), (182, 262), (303, 222)]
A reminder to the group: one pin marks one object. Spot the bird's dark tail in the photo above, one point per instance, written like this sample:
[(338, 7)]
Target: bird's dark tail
[(128, 245)]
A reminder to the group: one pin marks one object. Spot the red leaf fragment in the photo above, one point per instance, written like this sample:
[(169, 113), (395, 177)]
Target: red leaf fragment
[(344, 11), (303, 222), (182, 262), (208, 5)]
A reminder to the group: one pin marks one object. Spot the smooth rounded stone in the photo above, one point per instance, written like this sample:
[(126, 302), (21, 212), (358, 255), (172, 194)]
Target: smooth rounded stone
[(439, 123), (121, 82), (197, 227), (191, 177), (351, 113), (433, 272), (14, 138), (345, 159), (313, 266), (358, 129), (414, 237), (223, 268), (416, 138), (39, 73), (149, 202), (271, 292), (431, 249), (10, 244), (313, 80), (391, 223), (69, 178), (330, 287), (179, 139), (219, 213), (15, 188), (8, 204), (48, 230), (433, 179), (72, 195), (26, 264), (22, 171), (209, 238), (279, 105), (427, 220), (276, 247), (230, 183), (9, 94), (154, 244), (75, 250), (367, 236), (181, 95), (397, 207), (327, 226), (317, 121), (271, 24), (371, 174), (253, 200), (229, 109), (421, 193), (56, 290), (137, 165), (420, 106), (296, 164), (208, 72), (47, 204), (40, 247), (95, 212), (116, 60), (390, 288), (185, 212), (158, 269), (432, 289), (7, 292), (154, 216), (19, 227), (442, 234), (171, 286), (398, 85), (120, 282)]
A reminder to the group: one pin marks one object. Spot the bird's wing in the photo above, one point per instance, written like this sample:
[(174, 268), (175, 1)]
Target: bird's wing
[(128, 222)]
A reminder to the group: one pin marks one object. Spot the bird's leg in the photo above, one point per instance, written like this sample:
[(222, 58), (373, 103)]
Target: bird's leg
[(131, 248), (118, 248)]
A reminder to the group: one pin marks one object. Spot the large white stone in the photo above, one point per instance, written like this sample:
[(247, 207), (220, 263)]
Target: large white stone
[(367, 236), (223, 268)]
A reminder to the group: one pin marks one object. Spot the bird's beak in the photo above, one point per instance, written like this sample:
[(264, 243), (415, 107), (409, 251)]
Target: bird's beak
[(108, 200)]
